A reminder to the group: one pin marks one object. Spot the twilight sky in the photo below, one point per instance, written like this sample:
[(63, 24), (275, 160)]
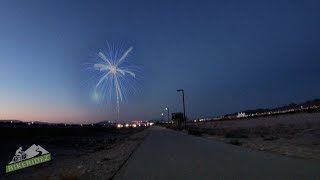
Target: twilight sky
[(227, 55)]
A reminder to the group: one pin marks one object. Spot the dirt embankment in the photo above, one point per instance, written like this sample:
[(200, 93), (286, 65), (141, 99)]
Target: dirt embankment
[(295, 135), (95, 155)]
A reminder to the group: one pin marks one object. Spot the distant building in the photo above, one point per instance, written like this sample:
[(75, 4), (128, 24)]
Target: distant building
[(241, 115)]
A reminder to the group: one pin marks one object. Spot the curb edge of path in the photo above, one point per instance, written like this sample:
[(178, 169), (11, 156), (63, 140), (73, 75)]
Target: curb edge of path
[(127, 159)]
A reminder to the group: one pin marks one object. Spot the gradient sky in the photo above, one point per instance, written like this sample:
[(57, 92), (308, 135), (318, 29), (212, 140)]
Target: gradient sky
[(227, 55)]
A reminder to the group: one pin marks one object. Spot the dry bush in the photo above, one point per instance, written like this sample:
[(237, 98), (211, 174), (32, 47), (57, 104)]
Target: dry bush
[(237, 133), (235, 142), (196, 131), (69, 175)]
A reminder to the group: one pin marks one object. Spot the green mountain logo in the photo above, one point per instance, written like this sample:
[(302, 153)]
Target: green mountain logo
[(34, 155)]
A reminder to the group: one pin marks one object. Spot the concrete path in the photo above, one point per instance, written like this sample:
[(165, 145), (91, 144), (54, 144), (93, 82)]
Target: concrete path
[(168, 154)]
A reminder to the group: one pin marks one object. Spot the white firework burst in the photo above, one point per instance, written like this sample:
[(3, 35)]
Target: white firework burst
[(116, 76)]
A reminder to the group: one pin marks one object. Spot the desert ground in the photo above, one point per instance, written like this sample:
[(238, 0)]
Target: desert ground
[(294, 135), (107, 153), (76, 152)]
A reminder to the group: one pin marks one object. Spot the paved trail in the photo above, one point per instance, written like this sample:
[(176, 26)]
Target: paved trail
[(167, 154)]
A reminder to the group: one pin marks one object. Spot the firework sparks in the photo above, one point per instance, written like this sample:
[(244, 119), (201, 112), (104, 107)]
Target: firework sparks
[(115, 76)]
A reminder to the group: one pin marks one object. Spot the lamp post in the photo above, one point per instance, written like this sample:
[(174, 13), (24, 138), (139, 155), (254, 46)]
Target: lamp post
[(162, 117), (167, 109), (184, 108)]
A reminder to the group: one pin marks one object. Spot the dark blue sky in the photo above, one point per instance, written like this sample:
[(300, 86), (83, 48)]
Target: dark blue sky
[(227, 55)]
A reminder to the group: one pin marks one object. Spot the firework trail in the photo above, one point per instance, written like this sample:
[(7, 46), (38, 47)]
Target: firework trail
[(115, 75)]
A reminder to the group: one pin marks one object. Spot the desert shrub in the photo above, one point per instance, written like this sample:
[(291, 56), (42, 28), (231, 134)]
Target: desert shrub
[(69, 175), (235, 142), (261, 131), (99, 148), (211, 132), (270, 138), (237, 133), (230, 134), (288, 136), (196, 132)]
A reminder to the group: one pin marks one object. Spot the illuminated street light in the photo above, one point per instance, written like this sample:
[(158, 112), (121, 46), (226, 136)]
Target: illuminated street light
[(167, 109)]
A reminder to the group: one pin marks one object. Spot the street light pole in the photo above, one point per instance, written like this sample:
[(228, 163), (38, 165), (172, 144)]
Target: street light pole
[(167, 109), (162, 117), (184, 108)]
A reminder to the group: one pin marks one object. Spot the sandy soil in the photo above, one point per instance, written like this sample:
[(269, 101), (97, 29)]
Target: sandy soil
[(294, 135), (93, 157)]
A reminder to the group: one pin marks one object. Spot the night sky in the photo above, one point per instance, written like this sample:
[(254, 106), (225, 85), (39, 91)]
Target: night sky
[(228, 56)]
